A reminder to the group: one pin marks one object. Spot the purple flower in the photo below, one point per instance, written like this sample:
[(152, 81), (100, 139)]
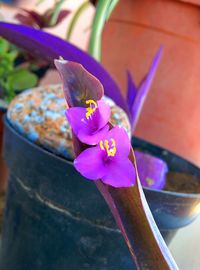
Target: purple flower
[(90, 124), (108, 160), (152, 170)]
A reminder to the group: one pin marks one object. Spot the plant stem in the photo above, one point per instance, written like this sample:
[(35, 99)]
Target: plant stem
[(75, 18), (56, 12), (39, 2), (103, 11)]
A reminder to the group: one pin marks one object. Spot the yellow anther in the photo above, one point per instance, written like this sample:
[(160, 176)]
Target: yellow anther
[(149, 181), (91, 109), (110, 150), (101, 145)]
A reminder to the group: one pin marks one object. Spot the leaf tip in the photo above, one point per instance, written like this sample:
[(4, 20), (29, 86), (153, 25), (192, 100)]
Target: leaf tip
[(60, 60)]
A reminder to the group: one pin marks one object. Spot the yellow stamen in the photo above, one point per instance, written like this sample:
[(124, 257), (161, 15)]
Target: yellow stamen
[(149, 181), (91, 109), (110, 150)]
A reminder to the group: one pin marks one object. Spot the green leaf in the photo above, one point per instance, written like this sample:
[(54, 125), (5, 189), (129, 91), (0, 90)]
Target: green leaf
[(12, 55), (39, 2), (75, 18), (56, 12), (103, 12), (8, 93), (21, 79), (4, 46), (6, 65)]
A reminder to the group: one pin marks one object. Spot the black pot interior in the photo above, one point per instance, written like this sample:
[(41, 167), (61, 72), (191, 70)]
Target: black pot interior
[(175, 163)]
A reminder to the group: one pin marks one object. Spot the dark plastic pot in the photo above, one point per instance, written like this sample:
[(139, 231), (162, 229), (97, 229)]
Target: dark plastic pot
[(171, 210), (40, 72), (55, 219), (3, 168)]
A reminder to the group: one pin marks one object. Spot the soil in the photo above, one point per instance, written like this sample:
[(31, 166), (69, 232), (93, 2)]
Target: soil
[(181, 182)]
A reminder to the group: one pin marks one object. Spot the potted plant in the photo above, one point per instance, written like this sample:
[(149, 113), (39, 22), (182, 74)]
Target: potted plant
[(93, 225), (50, 18), (69, 52)]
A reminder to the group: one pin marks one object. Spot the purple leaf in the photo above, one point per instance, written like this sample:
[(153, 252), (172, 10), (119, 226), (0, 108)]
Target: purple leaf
[(131, 212), (30, 18), (132, 90), (37, 20), (143, 90), (152, 171), (79, 84), (62, 15), (49, 47)]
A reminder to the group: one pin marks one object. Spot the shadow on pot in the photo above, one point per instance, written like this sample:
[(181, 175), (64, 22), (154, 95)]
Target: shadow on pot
[(3, 168), (65, 218)]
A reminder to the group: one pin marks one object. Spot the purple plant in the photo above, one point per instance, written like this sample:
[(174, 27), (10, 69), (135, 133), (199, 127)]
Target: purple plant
[(91, 123), (46, 46), (40, 21), (152, 170), (136, 95), (108, 160), (128, 205)]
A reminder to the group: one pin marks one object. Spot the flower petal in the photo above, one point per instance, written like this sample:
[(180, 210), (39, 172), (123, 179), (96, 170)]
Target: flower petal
[(77, 119), (92, 138), (103, 113), (89, 131), (90, 163), (152, 170), (120, 173), (122, 140)]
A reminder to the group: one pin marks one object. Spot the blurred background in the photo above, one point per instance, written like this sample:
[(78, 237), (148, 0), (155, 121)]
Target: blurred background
[(135, 31)]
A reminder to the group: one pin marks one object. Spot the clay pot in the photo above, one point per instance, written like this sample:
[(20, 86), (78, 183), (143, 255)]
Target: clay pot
[(134, 33), (3, 168)]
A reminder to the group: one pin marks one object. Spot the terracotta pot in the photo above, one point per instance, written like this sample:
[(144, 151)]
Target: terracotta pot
[(3, 168), (136, 30)]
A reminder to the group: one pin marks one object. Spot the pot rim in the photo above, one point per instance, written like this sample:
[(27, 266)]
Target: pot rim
[(70, 162), (3, 109)]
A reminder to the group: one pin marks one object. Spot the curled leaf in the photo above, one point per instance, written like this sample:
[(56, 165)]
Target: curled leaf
[(79, 84)]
